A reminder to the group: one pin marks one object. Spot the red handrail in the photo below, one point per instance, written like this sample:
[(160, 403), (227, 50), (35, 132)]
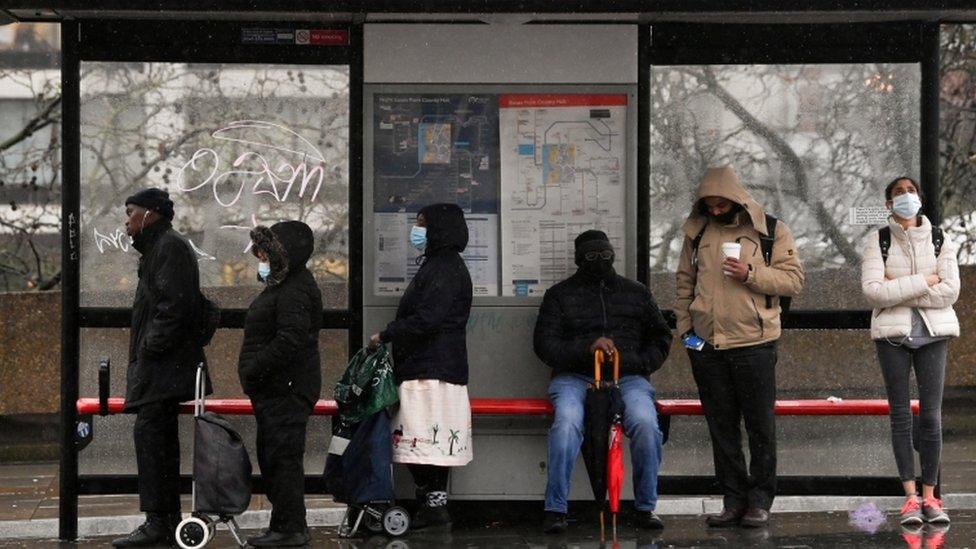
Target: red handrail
[(542, 407)]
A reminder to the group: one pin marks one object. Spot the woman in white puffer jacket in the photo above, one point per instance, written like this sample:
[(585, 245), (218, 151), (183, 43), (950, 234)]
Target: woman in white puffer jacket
[(912, 294)]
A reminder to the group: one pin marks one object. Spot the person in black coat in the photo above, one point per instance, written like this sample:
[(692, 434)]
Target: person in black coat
[(432, 429), (163, 359), (280, 371), (598, 309)]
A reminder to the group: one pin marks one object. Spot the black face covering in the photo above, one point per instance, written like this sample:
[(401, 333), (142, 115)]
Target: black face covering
[(599, 267), (729, 216)]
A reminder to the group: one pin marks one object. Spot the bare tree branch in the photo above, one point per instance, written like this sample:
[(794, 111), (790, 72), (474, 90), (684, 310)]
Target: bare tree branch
[(790, 158)]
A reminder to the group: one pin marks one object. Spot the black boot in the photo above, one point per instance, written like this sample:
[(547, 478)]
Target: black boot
[(156, 531), (433, 513), (270, 538)]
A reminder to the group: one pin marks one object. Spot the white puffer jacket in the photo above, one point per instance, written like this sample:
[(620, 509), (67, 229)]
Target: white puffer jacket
[(895, 288)]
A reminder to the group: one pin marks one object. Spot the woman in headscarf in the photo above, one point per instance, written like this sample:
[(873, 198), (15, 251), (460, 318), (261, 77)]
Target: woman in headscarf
[(280, 371), (432, 429)]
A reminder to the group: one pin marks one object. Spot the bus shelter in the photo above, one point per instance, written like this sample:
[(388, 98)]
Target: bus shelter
[(541, 123)]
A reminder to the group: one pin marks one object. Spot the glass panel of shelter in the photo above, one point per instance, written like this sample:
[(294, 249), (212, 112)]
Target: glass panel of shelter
[(814, 144), (236, 146)]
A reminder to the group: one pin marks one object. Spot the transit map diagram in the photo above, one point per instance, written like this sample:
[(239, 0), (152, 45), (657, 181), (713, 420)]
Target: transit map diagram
[(563, 172)]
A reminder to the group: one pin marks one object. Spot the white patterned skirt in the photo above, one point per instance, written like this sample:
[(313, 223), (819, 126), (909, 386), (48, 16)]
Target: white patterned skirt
[(433, 424)]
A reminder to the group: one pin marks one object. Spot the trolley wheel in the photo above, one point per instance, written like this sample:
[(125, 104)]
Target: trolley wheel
[(373, 524), (194, 533), (396, 521)]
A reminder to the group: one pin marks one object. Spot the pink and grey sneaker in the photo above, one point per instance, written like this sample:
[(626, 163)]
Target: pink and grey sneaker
[(932, 511), (911, 511)]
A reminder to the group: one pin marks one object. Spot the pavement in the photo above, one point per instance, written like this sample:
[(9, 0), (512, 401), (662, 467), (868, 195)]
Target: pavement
[(786, 530), (29, 506)]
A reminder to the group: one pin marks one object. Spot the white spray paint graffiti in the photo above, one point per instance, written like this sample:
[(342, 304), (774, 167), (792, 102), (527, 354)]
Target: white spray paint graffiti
[(251, 168), (118, 240)]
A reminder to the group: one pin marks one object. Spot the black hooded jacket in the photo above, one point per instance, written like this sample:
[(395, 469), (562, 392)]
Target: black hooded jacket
[(582, 308), (280, 352), (428, 334), (163, 357)]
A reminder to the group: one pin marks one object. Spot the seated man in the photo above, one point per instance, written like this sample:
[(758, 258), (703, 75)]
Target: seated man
[(598, 309)]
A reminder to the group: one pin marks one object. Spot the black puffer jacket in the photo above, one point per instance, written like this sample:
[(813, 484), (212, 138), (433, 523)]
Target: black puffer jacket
[(163, 358), (428, 334), (280, 353), (582, 308)]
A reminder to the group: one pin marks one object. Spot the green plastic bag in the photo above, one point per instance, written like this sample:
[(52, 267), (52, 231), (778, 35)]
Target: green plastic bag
[(367, 386)]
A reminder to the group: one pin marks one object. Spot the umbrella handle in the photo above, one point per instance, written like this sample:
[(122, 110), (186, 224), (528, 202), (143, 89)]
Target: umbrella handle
[(598, 359)]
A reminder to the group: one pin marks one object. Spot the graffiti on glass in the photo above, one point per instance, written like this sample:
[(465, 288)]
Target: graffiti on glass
[(300, 163)]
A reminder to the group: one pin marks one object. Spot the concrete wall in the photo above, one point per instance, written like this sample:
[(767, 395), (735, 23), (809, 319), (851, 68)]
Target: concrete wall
[(30, 340)]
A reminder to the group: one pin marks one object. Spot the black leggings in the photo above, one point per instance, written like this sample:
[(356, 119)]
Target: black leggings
[(429, 478), (929, 363)]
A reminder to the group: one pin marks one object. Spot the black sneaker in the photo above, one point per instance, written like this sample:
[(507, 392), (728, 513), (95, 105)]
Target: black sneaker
[(270, 538), (431, 518), (555, 523), (648, 520), (156, 531)]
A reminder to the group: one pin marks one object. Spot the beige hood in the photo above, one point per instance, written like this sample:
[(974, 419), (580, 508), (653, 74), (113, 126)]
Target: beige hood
[(723, 181)]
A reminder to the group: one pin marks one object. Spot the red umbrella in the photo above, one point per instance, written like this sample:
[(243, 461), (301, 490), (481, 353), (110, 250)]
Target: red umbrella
[(615, 456)]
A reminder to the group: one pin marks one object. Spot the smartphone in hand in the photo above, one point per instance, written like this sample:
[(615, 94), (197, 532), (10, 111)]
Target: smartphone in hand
[(693, 342)]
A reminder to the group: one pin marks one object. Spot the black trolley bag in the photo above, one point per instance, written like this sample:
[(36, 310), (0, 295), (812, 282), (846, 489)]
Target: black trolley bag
[(221, 475)]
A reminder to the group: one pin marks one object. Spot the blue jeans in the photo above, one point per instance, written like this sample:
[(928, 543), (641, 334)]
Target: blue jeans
[(567, 393)]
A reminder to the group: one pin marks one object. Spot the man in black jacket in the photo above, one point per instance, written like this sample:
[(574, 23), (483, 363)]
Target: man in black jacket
[(280, 371), (598, 309), (163, 358)]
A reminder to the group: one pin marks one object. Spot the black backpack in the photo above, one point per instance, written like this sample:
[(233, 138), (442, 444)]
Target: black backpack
[(884, 240), (766, 247)]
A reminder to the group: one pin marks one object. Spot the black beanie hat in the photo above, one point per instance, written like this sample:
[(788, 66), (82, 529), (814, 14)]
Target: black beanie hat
[(591, 241), (153, 199)]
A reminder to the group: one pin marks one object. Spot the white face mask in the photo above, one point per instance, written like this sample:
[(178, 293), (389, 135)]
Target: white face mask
[(264, 270), (906, 206)]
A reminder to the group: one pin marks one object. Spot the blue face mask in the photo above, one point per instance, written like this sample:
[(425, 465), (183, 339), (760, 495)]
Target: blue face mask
[(418, 237), (906, 206), (264, 270)]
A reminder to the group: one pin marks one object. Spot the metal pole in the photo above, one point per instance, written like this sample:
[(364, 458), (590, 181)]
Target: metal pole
[(929, 161), (70, 261), (644, 154), (356, 187)]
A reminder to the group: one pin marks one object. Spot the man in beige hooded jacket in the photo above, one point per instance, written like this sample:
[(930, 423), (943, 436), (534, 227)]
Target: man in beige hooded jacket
[(733, 304)]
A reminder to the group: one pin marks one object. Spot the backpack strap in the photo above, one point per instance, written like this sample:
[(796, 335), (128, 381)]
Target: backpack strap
[(694, 245), (766, 242), (937, 238), (766, 246), (884, 241)]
